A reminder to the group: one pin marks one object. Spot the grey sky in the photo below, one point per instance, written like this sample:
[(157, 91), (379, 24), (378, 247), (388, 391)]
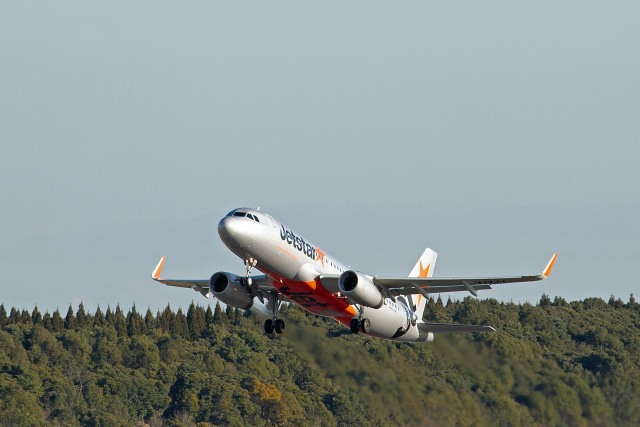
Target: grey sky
[(496, 134)]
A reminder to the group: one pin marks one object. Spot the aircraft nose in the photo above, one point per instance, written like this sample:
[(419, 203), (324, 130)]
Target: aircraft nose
[(228, 227), (236, 232)]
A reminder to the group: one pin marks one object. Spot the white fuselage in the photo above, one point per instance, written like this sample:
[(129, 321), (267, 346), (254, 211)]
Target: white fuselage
[(294, 266)]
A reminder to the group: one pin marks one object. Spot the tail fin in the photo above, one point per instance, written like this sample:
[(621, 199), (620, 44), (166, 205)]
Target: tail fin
[(423, 268)]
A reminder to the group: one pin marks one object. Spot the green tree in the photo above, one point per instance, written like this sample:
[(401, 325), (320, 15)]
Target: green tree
[(70, 319), (57, 323), (120, 322), (219, 316), (110, 318), (36, 316), (81, 316), (47, 321), (180, 326), (149, 320), (195, 321), (135, 323), (165, 320), (18, 407), (208, 316), (14, 316), (99, 319), (3, 316)]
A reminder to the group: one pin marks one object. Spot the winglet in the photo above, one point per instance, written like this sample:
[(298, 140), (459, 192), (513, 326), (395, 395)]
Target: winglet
[(547, 270), (156, 273)]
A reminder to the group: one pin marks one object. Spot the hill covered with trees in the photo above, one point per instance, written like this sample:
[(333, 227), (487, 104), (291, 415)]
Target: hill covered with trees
[(553, 363)]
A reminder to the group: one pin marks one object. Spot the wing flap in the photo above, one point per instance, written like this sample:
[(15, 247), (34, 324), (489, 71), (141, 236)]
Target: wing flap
[(433, 289), (185, 283)]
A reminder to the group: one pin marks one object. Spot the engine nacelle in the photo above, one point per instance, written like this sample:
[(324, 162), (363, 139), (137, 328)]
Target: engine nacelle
[(360, 289), (229, 289)]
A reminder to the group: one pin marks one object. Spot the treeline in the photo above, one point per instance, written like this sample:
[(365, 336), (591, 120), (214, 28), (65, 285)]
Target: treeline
[(554, 363)]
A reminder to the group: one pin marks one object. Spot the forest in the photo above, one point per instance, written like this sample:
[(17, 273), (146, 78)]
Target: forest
[(555, 363)]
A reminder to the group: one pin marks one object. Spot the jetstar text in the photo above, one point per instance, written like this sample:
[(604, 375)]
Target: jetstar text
[(298, 243)]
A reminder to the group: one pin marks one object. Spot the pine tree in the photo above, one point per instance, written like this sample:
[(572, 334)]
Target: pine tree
[(81, 317), (109, 317), (98, 319), (3, 316), (231, 315), (219, 317), (195, 321), (120, 322), (25, 317), (149, 321), (165, 320), (14, 316), (70, 320), (135, 324), (545, 301), (36, 316), (47, 321), (180, 326), (208, 316), (57, 322)]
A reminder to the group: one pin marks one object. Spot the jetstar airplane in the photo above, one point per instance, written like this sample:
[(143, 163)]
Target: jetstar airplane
[(295, 270)]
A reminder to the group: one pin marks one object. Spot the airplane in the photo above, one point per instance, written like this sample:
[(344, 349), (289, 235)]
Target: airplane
[(298, 271)]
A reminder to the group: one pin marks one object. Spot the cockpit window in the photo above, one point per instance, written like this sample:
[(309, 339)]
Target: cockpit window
[(244, 214)]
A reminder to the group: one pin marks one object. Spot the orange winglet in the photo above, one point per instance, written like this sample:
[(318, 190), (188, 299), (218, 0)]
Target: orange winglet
[(156, 272), (550, 265)]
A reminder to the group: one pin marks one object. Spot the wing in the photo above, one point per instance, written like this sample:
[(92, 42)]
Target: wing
[(448, 327), (202, 285), (429, 285)]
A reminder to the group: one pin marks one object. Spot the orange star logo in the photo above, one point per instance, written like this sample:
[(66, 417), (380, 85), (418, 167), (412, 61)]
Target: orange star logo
[(320, 256), (424, 271)]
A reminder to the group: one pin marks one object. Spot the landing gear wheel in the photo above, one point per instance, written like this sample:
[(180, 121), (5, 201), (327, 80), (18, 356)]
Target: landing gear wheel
[(279, 326), (366, 326), (355, 327), (268, 326)]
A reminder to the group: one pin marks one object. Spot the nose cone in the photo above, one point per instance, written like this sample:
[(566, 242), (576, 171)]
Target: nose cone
[(235, 232), (228, 228)]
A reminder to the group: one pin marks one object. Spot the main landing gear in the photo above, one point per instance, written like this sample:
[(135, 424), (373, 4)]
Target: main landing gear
[(358, 326), (270, 326), (360, 323), (274, 323)]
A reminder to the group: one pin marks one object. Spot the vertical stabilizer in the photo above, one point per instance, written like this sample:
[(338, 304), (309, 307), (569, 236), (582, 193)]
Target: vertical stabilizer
[(423, 268)]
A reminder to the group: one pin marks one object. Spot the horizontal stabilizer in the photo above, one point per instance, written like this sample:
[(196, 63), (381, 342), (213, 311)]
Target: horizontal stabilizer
[(452, 328)]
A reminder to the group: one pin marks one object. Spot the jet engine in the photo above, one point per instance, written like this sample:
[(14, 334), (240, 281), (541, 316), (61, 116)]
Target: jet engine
[(360, 289), (229, 289)]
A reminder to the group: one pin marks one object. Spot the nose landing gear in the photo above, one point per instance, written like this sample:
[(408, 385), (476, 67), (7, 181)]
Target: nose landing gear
[(249, 263)]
